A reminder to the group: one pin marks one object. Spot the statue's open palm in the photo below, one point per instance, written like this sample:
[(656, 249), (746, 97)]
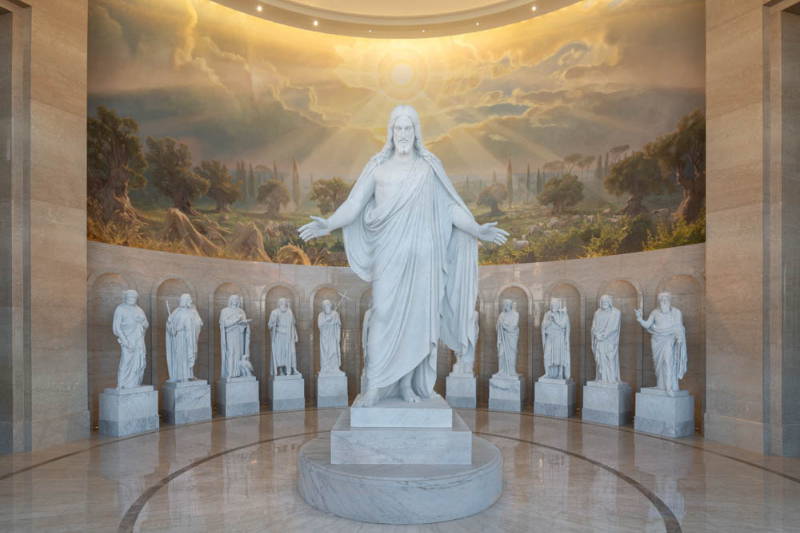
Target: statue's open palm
[(318, 227), (489, 232)]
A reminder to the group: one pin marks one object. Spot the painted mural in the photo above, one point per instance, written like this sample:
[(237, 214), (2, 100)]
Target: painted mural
[(216, 133)]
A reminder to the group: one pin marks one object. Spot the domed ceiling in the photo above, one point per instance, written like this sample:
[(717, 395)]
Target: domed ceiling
[(397, 19)]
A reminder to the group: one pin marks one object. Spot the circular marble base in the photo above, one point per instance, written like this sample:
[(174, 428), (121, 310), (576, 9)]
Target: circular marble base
[(400, 494)]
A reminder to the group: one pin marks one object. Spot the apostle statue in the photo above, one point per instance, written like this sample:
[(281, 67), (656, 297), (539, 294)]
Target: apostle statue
[(407, 231), (129, 326), (183, 330), (364, 337), (283, 332), (668, 342), (330, 331), (465, 361), (555, 340), (605, 340), (507, 340), (234, 336)]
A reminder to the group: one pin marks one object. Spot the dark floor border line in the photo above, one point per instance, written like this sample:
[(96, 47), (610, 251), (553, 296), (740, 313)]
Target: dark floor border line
[(648, 435), (132, 514), (671, 523)]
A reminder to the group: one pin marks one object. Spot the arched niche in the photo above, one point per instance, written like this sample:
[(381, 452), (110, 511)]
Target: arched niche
[(105, 294), (626, 299), (687, 295), (271, 297), (520, 299), (219, 301), (169, 292), (571, 297)]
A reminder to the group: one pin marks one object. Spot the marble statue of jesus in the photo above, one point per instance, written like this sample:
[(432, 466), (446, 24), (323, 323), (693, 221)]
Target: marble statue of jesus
[(407, 231)]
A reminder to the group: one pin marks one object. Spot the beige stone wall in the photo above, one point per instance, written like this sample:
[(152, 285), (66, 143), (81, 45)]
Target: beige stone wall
[(44, 252), (161, 276)]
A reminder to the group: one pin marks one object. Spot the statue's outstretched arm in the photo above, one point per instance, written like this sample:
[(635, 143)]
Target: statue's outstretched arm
[(464, 221), (347, 212)]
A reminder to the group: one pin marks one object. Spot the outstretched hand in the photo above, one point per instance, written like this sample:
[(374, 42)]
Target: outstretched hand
[(318, 227), (489, 232)]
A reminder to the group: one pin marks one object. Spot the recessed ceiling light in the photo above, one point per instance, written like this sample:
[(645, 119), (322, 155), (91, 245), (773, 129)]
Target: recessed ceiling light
[(423, 31), (533, 8), (316, 23), (477, 23), (259, 8)]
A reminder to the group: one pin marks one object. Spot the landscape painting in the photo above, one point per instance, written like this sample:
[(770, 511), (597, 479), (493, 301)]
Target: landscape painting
[(217, 133)]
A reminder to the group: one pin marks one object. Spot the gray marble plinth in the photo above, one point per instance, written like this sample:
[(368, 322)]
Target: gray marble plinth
[(665, 414), (461, 391), (607, 403), (128, 411), (238, 396), (431, 412), (185, 402), (286, 393), (354, 445), (400, 494), (505, 393), (554, 397), (331, 390)]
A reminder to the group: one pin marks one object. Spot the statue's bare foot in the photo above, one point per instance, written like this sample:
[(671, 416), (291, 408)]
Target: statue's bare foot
[(369, 398), (408, 394)]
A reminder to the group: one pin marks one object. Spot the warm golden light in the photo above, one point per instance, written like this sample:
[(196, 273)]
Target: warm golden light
[(259, 8)]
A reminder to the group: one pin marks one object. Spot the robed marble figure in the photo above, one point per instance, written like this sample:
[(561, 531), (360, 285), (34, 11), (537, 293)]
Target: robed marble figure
[(507, 340), (407, 231), (330, 336), (555, 340), (283, 334), (234, 335), (605, 340), (129, 326), (668, 342), (183, 330)]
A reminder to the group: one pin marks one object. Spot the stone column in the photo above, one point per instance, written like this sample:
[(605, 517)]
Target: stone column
[(43, 72), (753, 243)]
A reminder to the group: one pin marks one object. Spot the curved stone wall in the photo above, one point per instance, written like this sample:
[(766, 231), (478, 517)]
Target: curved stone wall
[(160, 277)]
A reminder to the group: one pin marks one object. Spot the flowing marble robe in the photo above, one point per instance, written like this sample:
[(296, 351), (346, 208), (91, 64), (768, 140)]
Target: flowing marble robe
[(183, 330), (605, 344), (364, 337), (465, 362), (555, 339), (129, 326), (330, 354), (668, 342), (424, 274), (234, 343), (283, 334), (507, 343)]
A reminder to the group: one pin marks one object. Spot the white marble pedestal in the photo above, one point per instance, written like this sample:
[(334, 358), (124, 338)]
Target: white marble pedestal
[(332, 390), (238, 396), (554, 397), (665, 414), (505, 393), (400, 463), (460, 390), (187, 401), (286, 392), (607, 403), (128, 411)]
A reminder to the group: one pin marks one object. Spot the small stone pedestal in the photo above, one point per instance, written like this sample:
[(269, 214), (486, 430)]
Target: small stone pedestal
[(187, 401), (286, 393), (554, 397), (668, 414), (505, 393), (238, 396), (128, 411), (400, 463), (461, 390), (607, 403), (332, 390)]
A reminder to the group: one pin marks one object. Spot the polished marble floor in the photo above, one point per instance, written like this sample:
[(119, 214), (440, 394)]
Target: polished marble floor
[(239, 475)]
